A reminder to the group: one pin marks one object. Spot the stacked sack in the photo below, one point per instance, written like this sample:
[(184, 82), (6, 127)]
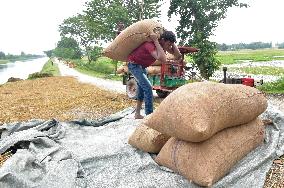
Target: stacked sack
[(212, 126)]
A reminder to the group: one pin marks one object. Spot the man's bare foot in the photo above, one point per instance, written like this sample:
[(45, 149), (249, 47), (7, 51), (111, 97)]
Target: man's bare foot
[(138, 116)]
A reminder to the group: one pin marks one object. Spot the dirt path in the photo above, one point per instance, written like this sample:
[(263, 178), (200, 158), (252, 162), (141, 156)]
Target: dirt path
[(111, 85)]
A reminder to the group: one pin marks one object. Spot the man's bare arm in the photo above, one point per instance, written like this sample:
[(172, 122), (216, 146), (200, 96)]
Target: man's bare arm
[(159, 53), (175, 51)]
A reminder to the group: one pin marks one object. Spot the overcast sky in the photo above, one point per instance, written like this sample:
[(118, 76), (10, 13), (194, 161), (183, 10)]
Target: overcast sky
[(32, 25)]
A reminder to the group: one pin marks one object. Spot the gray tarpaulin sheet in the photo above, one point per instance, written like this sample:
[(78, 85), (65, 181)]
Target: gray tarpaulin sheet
[(67, 154)]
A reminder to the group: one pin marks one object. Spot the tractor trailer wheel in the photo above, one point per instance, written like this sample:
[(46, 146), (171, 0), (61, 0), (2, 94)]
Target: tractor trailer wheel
[(162, 94), (131, 88)]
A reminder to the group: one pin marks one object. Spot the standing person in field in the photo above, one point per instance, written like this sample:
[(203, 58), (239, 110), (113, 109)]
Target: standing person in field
[(142, 57)]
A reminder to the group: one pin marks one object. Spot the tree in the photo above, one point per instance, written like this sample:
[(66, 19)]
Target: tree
[(106, 14), (2, 55), (79, 28), (198, 19), (48, 53), (95, 53), (143, 9), (281, 45), (68, 48)]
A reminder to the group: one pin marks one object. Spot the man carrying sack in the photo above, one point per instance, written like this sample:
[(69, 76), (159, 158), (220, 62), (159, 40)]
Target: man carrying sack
[(144, 56)]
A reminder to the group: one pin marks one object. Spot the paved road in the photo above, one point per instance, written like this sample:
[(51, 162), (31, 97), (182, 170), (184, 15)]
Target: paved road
[(116, 86)]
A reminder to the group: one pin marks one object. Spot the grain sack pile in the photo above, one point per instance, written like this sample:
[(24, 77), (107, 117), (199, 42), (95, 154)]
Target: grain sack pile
[(212, 126), (132, 37)]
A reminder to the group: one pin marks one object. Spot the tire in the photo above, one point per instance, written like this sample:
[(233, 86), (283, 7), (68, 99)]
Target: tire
[(162, 94), (131, 88)]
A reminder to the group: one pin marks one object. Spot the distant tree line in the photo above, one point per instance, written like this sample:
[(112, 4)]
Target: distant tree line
[(280, 45), (23, 55), (240, 46)]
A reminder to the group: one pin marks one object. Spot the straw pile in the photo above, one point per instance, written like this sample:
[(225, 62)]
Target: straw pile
[(63, 98)]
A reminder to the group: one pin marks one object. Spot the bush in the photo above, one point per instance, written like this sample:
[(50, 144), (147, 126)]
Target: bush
[(39, 75), (102, 65)]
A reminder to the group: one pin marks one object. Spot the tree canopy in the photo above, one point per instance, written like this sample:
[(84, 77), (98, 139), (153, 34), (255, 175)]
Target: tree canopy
[(68, 48)]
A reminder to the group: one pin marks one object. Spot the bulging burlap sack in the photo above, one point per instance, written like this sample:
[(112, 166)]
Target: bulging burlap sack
[(206, 162), (171, 56), (196, 111), (154, 70), (147, 139), (120, 70), (168, 56), (130, 38), (157, 63)]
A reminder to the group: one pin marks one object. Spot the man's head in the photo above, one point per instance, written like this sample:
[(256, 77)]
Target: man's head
[(168, 36), (167, 39)]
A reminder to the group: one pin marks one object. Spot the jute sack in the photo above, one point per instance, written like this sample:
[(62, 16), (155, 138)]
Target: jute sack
[(147, 139), (131, 37), (206, 162), (171, 56), (157, 63), (120, 70), (196, 111), (168, 56), (154, 70)]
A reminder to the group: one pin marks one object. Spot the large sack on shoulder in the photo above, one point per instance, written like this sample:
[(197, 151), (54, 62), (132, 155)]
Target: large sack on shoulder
[(132, 37), (206, 162), (147, 139), (196, 111)]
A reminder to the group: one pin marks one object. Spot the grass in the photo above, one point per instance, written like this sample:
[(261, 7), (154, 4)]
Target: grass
[(276, 87), (263, 70), (232, 57), (50, 68), (102, 68), (4, 61)]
